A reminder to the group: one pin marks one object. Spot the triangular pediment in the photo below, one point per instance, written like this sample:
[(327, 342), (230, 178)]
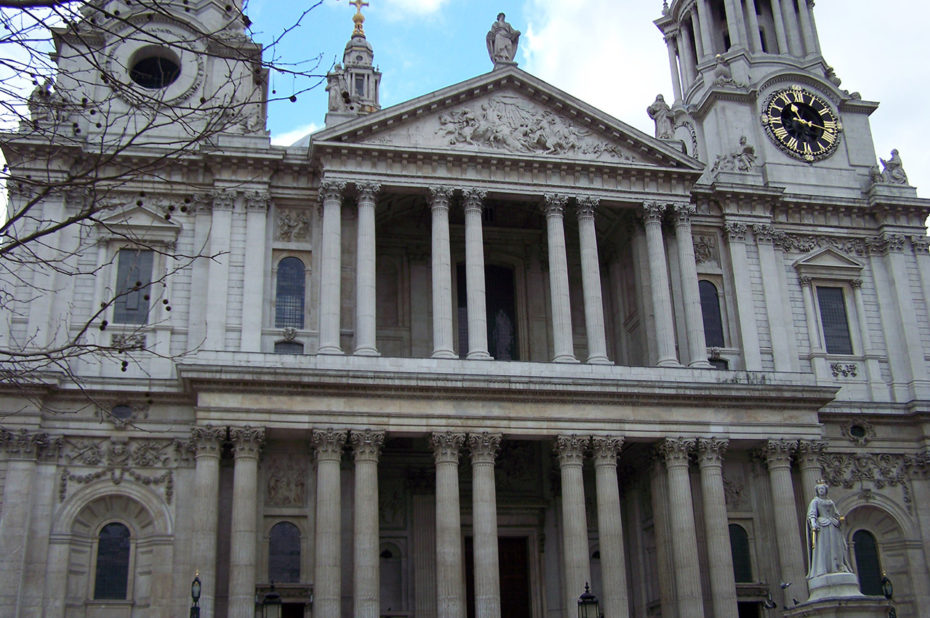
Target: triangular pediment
[(507, 113), (827, 262), (140, 223)]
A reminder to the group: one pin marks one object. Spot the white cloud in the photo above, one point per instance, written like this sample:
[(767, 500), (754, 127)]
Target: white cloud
[(419, 7), (289, 137)]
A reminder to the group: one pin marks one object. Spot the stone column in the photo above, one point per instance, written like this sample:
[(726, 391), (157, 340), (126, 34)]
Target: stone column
[(717, 527), (253, 280), (659, 493), (755, 37), (441, 267), (450, 578), (777, 455), (807, 30), (658, 282), (367, 447), (591, 282), (217, 298), (809, 454), (706, 37), (671, 44), (562, 346), (484, 448), (474, 276), (873, 369), (792, 30), (691, 295), (208, 442), (689, 63), (735, 23), (813, 324), (331, 267), (698, 39), (327, 589), (22, 449), (780, 36), (684, 535), (745, 307), (247, 442), (781, 325), (575, 564), (905, 311), (610, 526), (365, 271), (37, 569)]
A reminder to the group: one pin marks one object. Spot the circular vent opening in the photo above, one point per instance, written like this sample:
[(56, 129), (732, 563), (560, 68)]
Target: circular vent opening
[(857, 431), (121, 412), (154, 67)]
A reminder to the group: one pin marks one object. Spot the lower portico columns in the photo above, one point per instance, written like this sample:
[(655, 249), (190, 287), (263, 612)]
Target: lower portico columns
[(716, 527), (576, 569), (677, 453), (809, 454), (658, 282), (450, 579), (474, 276), (484, 449), (327, 589), (591, 282), (365, 272), (247, 443), (441, 267), (562, 346), (367, 447), (610, 526), (691, 295), (209, 444), (778, 458), (331, 267)]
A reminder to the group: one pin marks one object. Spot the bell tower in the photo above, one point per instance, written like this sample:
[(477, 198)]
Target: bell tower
[(754, 95), (353, 85)]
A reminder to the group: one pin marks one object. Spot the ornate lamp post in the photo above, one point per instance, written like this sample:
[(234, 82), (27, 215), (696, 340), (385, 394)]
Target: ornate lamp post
[(195, 596), (888, 593), (588, 607), (271, 604)]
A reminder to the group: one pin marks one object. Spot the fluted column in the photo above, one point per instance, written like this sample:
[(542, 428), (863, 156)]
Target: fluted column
[(327, 589), (441, 267), (22, 449), (755, 37), (807, 29), (813, 324), (591, 282), (217, 283), (367, 590), (780, 35), (735, 23), (704, 15), (688, 61), (208, 442), (717, 527), (687, 268), (809, 454), (777, 455), (792, 29), (698, 39), (664, 559), (484, 448), (658, 282), (562, 346), (247, 442), (781, 326), (671, 44), (745, 306), (474, 276), (365, 271), (450, 579), (610, 526), (684, 535), (575, 564), (253, 276), (331, 267)]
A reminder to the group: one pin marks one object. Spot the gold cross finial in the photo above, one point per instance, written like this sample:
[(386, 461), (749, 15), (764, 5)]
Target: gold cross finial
[(358, 18)]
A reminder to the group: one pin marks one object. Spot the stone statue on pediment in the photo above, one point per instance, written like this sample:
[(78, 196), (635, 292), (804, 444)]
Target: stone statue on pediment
[(502, 41), (893, 172), (661, 113)]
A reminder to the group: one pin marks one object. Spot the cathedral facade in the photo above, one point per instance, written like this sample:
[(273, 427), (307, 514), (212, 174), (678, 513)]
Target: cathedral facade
[(470, 354)]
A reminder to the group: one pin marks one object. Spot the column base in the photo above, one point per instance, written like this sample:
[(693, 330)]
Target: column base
[(479, 355), (668, 362), (444, 354), (366, 352), (565, 358), (332, 350), (701, 364), (599, 359)]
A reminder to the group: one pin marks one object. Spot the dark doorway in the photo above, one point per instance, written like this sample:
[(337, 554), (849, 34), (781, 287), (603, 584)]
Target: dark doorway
[(748, 610), (500, 307), (292, 610), (513, 559)]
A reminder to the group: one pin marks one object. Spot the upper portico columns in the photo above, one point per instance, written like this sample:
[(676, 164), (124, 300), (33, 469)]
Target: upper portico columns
[(658, 280), (365, 273), (591, 282), (474, 276), (563, 348), (331, 267), (691, 295), (441, 273)]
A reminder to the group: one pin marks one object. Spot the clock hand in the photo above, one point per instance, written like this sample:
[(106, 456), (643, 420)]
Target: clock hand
[(813, 124)]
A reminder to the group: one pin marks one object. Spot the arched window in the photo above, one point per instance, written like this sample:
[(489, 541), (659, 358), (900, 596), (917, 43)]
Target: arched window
[(289, 294), (284, 554), (710, 309), (112, 576), (868, 565), (739, 548)]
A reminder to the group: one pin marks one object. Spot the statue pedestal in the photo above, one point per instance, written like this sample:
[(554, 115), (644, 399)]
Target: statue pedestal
[(833, 585), (836, 595)]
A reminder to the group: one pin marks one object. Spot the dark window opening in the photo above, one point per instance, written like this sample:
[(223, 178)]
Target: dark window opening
[(721, 364), (112, 576), (154, 72), (360, 86), (710, 309), (739, 549), (133, 286), (834, 321), (288, 347), (500, 309), (868, 566), (284, 554), (289, 294)]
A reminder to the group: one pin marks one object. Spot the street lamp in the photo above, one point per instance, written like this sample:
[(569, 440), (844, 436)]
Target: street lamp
[(271, 604), (888, 592), (195, 595), (588, 607)]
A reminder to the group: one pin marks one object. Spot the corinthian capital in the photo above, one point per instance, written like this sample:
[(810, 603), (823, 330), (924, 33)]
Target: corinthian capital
[(208, 440), (474, 199), (676, 451), (367, 191), (778, 452), (683, 213), (247, 441), (554, 205), (587, 207), (571, 449), (711, 450), (653, 212), (367, 444), (810, 452), (328, 443), (439, 197), (606, 449), (446, 446), (331, 190), (484, 446), (23, 445)]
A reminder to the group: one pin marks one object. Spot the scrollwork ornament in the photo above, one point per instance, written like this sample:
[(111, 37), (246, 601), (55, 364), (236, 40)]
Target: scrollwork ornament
[(367, 191), (446, 446), (606, 449), (224, 200), (23, 445), (920, 244), (247, 441), (736, 232), (331, 190), (367, 444)]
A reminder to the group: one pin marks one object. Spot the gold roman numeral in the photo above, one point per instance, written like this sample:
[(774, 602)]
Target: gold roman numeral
[(781, 132)]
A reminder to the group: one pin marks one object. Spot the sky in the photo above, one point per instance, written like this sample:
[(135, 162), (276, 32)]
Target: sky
[(605, 52)]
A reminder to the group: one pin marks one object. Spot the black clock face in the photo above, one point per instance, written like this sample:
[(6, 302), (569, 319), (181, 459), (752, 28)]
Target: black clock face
[(802, 124)]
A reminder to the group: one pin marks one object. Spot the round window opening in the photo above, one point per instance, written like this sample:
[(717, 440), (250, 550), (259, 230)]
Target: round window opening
[(154, 68), (857, 431)]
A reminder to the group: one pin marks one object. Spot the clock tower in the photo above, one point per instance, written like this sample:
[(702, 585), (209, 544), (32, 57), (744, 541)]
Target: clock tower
[(753, 90)]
